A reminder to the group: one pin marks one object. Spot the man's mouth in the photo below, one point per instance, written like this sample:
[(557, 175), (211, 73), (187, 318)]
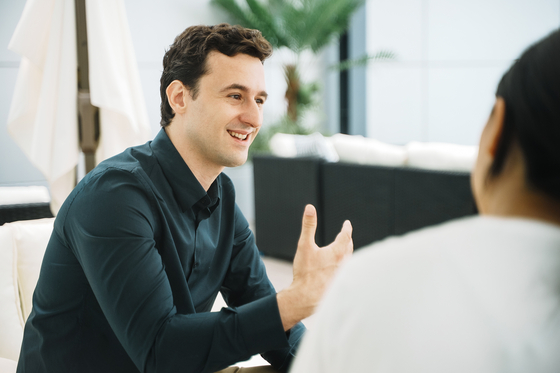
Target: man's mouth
[(238, 135)]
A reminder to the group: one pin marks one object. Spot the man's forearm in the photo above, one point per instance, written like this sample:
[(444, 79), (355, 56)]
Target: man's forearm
[(291, 308)]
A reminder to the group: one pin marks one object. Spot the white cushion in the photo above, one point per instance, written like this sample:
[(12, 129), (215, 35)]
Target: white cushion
[(365, 150), (31, 237), (24, 194), (22, 246), (11, 318), (291, 146), (7, 366), (441, 156)]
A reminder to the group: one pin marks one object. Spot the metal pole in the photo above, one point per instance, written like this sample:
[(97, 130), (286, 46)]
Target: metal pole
[(88, 115), (344, 86)]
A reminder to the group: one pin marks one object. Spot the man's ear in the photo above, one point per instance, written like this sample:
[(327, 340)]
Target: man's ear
[(495, 131), (177, 95)]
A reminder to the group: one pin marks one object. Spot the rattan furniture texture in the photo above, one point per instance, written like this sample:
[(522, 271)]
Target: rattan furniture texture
[(379, 201)]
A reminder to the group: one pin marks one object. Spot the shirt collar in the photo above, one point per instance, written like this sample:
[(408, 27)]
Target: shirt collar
[(188, 192)]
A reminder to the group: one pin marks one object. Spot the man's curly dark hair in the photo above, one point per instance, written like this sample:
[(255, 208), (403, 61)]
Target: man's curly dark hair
[(186, 58)]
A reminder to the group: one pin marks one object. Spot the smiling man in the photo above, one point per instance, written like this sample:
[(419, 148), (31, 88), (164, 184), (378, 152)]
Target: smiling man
[(147, 240), (214, 127)]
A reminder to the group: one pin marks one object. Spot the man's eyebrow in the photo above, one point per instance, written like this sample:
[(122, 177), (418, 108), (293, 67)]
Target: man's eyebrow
[(241, 87)]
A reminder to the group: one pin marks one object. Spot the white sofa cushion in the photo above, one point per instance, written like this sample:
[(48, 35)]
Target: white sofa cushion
[(31, 239), (314, 145), (368, 151), (11, 318), (441, 156), (24, 194), (22, 247), (7, 366)]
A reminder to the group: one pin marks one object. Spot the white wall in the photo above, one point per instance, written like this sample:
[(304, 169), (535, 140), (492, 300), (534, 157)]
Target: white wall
[(15, 169), (450, 57)]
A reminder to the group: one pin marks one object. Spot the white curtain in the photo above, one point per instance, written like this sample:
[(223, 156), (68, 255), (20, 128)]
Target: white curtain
[(43, 115)]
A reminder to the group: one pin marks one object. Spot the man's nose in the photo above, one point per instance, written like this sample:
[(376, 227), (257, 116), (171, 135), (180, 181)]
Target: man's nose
[(252, 114)]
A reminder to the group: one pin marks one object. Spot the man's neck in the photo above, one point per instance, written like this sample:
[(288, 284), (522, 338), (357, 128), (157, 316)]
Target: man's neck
[(204, 178), (201, 169)]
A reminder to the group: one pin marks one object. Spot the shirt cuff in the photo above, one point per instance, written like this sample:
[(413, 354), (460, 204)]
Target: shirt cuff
[(261, 325)]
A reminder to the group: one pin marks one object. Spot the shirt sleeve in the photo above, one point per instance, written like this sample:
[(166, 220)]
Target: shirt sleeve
[(247, 281), (110, 227)]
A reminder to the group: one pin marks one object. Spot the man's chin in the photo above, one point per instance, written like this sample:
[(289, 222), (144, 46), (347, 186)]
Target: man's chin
[(239, 161)]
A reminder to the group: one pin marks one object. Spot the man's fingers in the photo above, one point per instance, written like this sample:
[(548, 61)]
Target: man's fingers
[(347, 227), (343, 239), (308, 224)]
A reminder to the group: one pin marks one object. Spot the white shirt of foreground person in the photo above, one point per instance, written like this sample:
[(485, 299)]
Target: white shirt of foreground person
[(479, 294)]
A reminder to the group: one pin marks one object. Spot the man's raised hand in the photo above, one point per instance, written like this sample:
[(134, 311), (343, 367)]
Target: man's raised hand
[(313, 268)]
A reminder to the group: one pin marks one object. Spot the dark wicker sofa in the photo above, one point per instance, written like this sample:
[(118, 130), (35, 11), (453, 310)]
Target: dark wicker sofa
[(24, 211), (379, 201)]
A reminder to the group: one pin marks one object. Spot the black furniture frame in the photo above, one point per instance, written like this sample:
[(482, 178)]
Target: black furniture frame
[(24, 211), (379, 201)]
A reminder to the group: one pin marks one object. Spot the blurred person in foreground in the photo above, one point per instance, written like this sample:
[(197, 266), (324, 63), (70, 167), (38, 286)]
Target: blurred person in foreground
[(147, 240), (478, 294)]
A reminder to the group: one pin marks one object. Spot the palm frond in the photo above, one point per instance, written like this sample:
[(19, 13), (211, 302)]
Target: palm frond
[(326, 20), (267, 23), (296, 24), (363, 60), (236, 12)]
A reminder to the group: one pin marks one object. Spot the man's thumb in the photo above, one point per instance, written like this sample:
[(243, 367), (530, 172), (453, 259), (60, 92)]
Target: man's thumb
[(343, 239)]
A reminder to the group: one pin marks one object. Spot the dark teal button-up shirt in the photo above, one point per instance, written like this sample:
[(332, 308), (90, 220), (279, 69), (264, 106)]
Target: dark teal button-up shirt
[(138, 254)]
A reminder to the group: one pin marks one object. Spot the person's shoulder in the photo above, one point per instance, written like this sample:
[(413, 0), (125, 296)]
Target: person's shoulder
[(423, 240), (131, 159), (472, 236), (133, 165), (120, 179)]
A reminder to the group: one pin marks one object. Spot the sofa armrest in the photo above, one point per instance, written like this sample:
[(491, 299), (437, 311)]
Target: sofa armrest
[(22, 246), (7, 365)]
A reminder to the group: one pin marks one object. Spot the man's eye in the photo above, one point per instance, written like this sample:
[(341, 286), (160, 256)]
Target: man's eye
[(235, 97), (260, 101)]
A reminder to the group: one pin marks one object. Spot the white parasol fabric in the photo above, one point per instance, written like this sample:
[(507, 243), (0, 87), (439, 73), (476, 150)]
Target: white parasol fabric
[(43, 115), (114, 79)]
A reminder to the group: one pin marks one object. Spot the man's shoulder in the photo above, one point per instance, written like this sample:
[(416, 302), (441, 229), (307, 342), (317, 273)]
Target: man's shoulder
[(133, 165), (115, 178), (130, 159)]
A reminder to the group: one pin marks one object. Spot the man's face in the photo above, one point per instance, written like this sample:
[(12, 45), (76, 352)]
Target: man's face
[(227, 113)]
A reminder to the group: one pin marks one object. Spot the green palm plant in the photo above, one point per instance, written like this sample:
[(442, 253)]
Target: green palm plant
[(298, 25)]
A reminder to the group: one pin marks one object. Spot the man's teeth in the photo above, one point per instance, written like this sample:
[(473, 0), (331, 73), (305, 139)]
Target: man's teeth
[(238, 135)]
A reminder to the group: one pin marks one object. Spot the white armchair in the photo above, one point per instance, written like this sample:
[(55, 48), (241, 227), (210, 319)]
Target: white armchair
[(22, 246)]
